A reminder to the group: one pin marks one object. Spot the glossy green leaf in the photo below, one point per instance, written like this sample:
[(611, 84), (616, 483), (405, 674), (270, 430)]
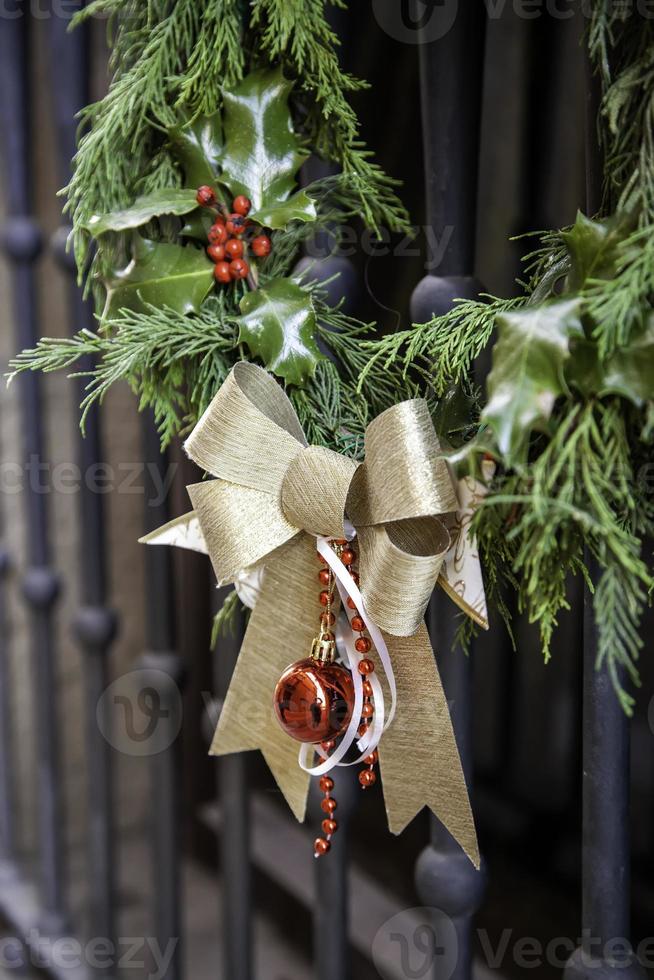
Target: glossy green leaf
[(278, 324), (453, 413), (144, 209), (161, 275), (262, 153), (527, 376), (197, 225), (630, 370), (198, 146), (298, 207), (583, 370), (594, 248)]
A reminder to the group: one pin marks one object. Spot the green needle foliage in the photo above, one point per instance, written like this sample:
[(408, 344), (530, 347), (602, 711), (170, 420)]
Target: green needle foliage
[(171, 59), (175, 363), (569, 414), (569, 411)]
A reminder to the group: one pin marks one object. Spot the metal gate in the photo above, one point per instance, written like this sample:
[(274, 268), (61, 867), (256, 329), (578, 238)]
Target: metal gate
[(255, 837)]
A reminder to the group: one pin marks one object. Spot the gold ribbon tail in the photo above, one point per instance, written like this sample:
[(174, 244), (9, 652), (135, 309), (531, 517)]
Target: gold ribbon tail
[(247, 720), (418, 756)]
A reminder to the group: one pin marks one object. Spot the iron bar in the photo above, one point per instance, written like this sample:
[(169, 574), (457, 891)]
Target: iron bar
[(21, 240), (605, 951), (164, 674), (94, 623), (235, 835), (451, 74), (7, 828), (332, 899)]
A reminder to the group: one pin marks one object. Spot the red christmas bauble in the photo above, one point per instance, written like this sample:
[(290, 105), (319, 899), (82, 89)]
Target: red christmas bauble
[(313, 701)]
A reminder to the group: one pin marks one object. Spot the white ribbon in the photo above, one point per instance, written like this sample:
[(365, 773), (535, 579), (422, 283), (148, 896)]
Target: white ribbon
[(347, 587)]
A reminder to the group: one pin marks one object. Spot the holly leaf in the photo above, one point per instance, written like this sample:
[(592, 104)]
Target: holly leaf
[(453, 413), (197, 225), (594, 248), (160, 275), (262, 153), (278, 324), (299, 207), (583, 370), (629, 371), (197, 146), (144, 209), (527, 375)]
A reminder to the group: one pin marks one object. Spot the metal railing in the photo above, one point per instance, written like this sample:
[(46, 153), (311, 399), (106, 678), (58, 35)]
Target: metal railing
[(451, 78)]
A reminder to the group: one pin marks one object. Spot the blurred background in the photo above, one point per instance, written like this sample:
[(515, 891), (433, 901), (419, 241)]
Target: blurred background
[(206, 850)]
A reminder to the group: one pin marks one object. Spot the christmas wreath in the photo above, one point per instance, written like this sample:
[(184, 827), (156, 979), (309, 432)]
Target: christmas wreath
[(188, 223)]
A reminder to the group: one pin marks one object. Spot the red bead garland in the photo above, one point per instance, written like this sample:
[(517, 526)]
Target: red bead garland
[(363, 645)]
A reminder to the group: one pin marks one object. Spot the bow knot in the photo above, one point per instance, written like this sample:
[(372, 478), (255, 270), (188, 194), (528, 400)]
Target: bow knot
[(315, 490), (271, 486)]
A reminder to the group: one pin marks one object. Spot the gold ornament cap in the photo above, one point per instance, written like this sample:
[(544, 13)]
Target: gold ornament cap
[(323, 649)]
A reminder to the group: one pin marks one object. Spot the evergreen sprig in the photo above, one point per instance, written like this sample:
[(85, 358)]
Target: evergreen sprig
[(175, 364), (171, 59), (579, 492)]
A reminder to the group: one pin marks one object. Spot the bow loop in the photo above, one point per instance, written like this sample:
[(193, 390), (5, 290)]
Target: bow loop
[(400, 563), (250, 433), (404, 474)]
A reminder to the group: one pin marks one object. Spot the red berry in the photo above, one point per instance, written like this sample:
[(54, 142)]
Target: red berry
[(241, 204), (217, 234), (222, 272), (234, 248), (216, 253), (239, 269), (236, 224), (205, 196), (261, 246)]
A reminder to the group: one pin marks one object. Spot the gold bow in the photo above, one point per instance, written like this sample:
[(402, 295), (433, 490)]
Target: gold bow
[(272, 494)]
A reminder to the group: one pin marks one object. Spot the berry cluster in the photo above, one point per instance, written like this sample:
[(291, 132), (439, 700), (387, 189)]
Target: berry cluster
[(228, 244)]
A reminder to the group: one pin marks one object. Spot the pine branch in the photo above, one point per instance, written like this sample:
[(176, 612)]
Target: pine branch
[(153, 43), (577, 491), (174, 363), (442, 349), (296, 33)]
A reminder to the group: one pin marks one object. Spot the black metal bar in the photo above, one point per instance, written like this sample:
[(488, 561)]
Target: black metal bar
[(94, 623), (22, 243), (606, 878), (7, 829), (165, 673), (451, 74), (331, 902), (605, 913), (235, 834)]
